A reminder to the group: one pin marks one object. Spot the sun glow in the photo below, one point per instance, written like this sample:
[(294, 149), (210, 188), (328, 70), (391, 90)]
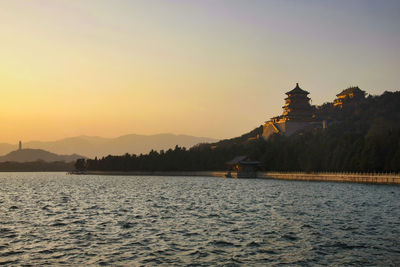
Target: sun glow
[(202, 68)]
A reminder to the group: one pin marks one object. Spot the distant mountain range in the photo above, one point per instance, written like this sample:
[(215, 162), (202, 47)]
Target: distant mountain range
[(92, 146), (29, 155)]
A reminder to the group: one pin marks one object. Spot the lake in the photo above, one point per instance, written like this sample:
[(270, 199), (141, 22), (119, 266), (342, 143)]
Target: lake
[(55, 219)]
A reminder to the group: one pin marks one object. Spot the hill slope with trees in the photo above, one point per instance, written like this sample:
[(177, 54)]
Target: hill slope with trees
[(362, 136)]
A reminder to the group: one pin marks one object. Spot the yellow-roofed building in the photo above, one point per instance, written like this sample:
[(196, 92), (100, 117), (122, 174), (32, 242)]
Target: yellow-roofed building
[(349, 95)]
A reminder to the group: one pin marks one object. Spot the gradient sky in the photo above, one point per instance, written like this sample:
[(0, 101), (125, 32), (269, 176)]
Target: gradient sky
[(215, 68)]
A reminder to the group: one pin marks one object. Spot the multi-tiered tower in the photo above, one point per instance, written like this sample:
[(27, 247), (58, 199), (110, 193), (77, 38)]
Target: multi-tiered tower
[(297, 114), (297, 106)]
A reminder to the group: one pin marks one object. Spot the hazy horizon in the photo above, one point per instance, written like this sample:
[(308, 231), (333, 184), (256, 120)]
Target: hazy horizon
[(96, 146), (101, 137), (199, 68)]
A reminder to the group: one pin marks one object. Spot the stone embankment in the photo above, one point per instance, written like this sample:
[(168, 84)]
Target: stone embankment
[(375, 178)]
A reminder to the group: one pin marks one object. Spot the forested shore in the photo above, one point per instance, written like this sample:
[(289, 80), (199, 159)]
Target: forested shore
[(361, 137)]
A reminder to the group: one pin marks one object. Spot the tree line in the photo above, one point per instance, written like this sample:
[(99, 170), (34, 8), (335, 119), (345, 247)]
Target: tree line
[(363, 136)]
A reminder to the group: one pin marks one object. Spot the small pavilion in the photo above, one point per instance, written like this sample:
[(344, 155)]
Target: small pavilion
[(243, 166)]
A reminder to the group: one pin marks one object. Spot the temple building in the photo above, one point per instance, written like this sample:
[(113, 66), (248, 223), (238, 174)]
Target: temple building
[(242, 167), (350, 95), (297, 106), (297, 114)]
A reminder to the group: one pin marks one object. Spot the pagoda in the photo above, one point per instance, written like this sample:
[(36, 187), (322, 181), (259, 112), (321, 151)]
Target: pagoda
[(297, 115), (297, 105)]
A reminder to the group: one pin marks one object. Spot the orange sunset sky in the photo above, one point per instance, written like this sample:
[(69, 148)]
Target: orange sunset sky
[(204, 68)]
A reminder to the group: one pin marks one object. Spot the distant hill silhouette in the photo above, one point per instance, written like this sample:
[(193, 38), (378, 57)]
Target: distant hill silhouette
[(92, 146), (30, 155), (6, 148)]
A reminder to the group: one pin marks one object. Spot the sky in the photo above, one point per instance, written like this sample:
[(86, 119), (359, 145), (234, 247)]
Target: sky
[(213, 68)]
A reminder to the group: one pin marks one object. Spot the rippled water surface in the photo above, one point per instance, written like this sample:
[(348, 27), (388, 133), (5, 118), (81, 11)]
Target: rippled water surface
[(53, 218)]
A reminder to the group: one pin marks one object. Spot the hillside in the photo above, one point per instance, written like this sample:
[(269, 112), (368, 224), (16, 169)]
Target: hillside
[(361, 137), (31, 155), (92, 146)]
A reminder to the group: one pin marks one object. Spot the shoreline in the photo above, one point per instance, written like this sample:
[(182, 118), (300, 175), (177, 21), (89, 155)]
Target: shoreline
[(371, 178)]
